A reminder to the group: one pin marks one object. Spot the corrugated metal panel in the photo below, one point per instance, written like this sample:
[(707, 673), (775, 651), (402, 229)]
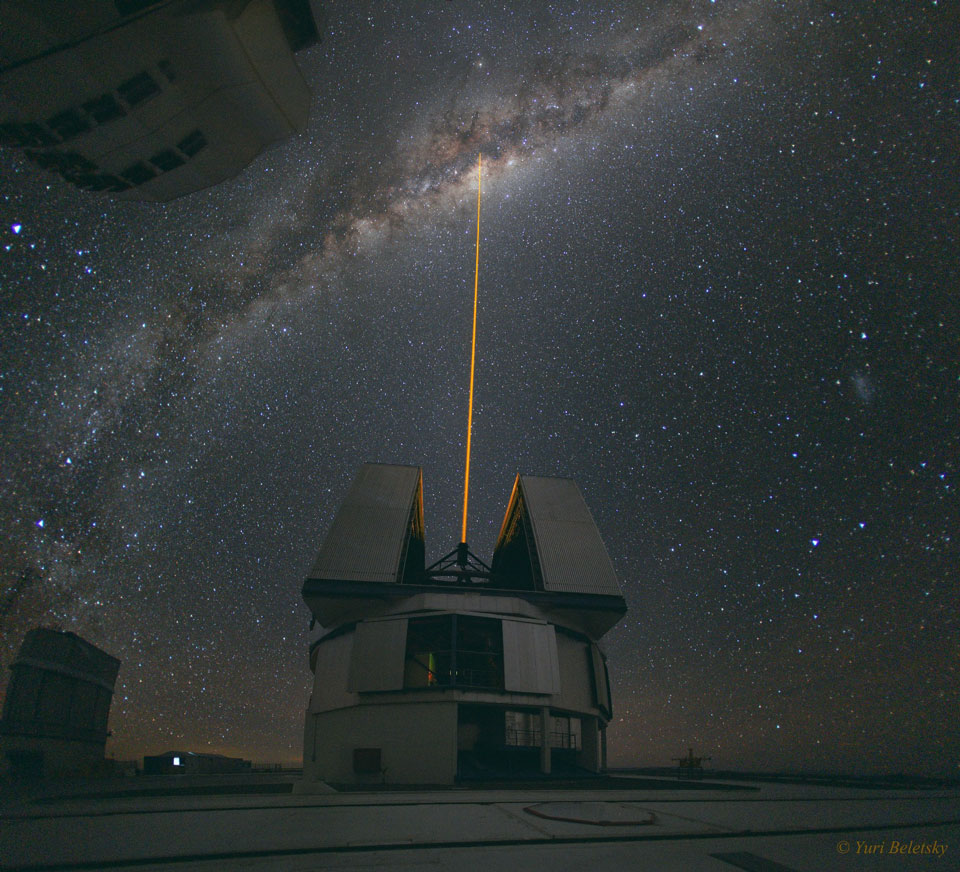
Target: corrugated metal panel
[(572, 554), (530, 660), (370, 531), (378, 654)]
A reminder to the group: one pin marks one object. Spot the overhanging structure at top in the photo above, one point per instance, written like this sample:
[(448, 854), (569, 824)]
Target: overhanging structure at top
[(151, 99)]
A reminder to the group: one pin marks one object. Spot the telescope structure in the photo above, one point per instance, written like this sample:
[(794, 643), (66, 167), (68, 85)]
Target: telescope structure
[(56, 706), (459, 670), (152, 99)]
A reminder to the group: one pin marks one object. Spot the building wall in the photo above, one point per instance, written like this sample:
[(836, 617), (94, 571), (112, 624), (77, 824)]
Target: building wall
[(589, 756), (46, 700), (331, 667), (368, 658), (56, 706), (417, 742), (45, 757), (359, 699)]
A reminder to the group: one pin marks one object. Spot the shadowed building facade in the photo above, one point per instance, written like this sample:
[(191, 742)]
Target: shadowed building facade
[(151, 100), (424, 675), (56, 706)]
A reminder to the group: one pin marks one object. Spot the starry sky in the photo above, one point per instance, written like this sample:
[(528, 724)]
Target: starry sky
[(718, 288)]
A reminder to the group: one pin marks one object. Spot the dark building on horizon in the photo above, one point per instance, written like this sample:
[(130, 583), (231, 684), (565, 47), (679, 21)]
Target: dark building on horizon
[(458, 670), (193, 763), (56, 707), (151, 100)]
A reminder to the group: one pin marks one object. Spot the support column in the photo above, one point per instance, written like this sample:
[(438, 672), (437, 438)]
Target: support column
[(588, 757), (603, 747), (545, 724)]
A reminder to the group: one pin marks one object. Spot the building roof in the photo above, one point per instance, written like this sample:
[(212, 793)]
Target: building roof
[(66, 653), (549, 534), (549, 552), (377, 534)]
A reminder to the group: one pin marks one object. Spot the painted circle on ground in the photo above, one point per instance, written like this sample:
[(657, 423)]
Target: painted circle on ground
[(601, 814)]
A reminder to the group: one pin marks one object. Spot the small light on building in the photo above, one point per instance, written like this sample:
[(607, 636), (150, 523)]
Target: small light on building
[(176, 761)]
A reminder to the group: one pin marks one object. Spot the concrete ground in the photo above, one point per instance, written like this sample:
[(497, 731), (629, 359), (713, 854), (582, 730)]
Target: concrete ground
[(226, 824)]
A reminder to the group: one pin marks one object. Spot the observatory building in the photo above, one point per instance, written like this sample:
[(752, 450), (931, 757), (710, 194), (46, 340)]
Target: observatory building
[(151, 100), (428, 674), (56, 707)]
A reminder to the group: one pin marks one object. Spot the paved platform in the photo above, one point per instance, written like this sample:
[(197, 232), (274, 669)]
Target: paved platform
[(755, 827)]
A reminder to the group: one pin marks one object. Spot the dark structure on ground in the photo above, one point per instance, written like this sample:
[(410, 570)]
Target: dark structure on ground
[(151, 100), (690, 766), (56, 707), (190, 763), (460, 669)]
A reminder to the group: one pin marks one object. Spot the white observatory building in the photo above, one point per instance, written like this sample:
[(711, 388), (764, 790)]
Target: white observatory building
[(426, 675)]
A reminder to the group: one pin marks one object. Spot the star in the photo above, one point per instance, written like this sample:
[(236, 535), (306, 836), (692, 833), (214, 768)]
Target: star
[(705, 226)]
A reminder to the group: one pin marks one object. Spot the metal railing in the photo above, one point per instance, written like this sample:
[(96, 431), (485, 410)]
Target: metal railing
[(534, 738), (459, 668)]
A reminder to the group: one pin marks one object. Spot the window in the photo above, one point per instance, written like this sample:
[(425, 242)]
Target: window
[(565, 733), (69, 123), (139, 89), (138, 173), (298, 24), (176, 761), (167, 160), (525, 730), (75, 168), (479, 652), (104, 108), (26, 135), (65, 162), (99, 182), (192, 143), (427, 662), (454, 651)]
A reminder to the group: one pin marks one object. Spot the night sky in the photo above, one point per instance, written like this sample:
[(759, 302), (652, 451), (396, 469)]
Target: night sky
[(718, 288)]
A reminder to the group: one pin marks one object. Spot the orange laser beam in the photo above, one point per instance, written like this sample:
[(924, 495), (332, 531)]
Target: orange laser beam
[(473, 358)]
